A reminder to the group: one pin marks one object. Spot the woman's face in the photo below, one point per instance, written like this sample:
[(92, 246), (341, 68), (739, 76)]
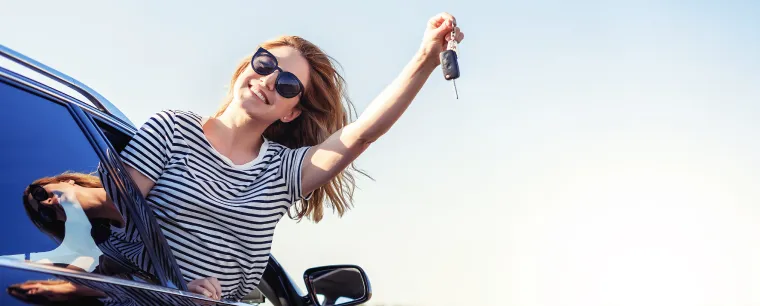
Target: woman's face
[(256, 94), (50, 207)]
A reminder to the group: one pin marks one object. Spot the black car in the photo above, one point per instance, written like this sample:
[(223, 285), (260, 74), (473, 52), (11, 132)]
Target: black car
[(56, 256)]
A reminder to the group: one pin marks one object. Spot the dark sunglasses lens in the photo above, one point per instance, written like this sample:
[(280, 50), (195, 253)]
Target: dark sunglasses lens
[(47, 213), (38, 193), (288, 85), (263, 64)]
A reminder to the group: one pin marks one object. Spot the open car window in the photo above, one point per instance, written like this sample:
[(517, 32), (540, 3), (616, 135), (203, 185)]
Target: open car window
[(56, 211)]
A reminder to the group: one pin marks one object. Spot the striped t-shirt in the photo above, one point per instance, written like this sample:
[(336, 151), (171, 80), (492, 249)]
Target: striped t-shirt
[(218, 217)]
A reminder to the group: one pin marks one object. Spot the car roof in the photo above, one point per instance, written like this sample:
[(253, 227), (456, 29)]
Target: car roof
[(53, 82)]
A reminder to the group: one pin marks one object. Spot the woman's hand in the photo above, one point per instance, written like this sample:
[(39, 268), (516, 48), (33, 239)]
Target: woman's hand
[(437, 36), (324, 161), (208, 286), (52, 290)]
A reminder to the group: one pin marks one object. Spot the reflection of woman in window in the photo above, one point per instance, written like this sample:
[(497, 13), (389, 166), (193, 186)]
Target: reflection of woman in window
[(75, 210), (42, 202), (86, 198), (56, 292)]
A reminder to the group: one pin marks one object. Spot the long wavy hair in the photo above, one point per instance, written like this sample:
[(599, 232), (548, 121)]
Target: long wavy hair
[(322, 113)]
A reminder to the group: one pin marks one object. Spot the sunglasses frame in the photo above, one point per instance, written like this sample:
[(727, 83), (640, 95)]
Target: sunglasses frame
[(44, 211), (263, 52)]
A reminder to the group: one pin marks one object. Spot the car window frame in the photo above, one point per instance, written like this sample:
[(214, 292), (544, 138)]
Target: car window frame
[(167, 270), (139, 211)]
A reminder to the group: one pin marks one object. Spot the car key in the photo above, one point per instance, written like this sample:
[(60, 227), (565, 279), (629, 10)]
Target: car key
[(449, 62)]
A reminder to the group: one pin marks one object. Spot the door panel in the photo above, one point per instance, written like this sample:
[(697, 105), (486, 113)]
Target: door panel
[(30, 283)]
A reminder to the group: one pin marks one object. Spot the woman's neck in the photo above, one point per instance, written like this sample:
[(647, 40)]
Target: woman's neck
[(236, 136), (96, 204)]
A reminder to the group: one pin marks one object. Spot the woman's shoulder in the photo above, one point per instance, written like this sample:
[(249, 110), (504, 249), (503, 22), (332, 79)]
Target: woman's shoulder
[(174, 117), (173, 113), (279, 152), (278, 148)]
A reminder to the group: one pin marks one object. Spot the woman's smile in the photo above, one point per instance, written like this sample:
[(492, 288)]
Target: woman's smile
[(257, 92)]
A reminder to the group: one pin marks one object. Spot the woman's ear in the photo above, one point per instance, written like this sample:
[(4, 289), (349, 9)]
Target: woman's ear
[(294, 113), (72, 182)]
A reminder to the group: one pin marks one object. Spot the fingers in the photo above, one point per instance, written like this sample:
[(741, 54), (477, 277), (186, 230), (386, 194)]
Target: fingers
[(195, 288), (441, 17), (215, 282), (442, 24), (442, 20), (210, 288), (206, 287), (27, 286), (459, 35)]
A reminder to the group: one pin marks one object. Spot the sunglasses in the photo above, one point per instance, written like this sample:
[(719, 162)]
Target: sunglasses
[(287, 84), (39, 194)]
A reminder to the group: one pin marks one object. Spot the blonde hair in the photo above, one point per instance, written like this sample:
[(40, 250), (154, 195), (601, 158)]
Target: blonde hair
[(322, 114), (89, 180)]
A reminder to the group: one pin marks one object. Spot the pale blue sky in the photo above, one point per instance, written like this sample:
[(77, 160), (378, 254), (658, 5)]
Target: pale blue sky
[(601, 153)]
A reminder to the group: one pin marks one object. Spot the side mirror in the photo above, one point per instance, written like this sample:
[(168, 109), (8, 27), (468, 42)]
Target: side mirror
[(337, 285)]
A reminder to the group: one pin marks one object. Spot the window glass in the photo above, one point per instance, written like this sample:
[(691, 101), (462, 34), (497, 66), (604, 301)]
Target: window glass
[(55, 209)]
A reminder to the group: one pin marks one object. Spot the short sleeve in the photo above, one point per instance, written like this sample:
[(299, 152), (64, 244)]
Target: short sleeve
[(292, 163), (150, 148)]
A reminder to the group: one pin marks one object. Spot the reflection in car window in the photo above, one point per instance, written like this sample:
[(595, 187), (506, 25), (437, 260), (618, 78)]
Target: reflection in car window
[(52, 205), (56, 211)]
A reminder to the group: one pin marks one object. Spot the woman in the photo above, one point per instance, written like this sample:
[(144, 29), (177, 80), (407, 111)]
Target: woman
[(218, 185)]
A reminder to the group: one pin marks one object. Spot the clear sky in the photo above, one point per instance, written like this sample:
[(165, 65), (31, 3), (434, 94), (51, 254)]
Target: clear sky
[(601, 152)]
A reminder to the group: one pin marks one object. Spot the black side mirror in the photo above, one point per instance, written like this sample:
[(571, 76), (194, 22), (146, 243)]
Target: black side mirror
[(337, 285)]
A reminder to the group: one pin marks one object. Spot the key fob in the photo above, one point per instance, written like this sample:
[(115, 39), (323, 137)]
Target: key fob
[(449, 64)]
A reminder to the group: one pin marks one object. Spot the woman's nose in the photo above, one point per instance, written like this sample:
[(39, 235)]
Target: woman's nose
[(270, 79)]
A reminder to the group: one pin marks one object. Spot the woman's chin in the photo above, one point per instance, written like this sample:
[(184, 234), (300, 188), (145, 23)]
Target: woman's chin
[(257, 110), (253, 106)]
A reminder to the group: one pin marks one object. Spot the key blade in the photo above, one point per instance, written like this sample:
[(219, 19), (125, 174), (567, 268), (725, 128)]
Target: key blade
[(455, 89)]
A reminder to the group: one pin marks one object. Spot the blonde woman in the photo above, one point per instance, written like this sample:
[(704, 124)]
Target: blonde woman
[(282, 139)]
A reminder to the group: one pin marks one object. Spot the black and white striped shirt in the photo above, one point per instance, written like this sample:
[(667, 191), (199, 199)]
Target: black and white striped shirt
[(218, 217)]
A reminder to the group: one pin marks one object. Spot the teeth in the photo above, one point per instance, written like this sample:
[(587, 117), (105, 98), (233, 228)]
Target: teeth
[(260, 95)]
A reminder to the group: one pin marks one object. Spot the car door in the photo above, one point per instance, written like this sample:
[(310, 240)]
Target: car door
[(52, 250)]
